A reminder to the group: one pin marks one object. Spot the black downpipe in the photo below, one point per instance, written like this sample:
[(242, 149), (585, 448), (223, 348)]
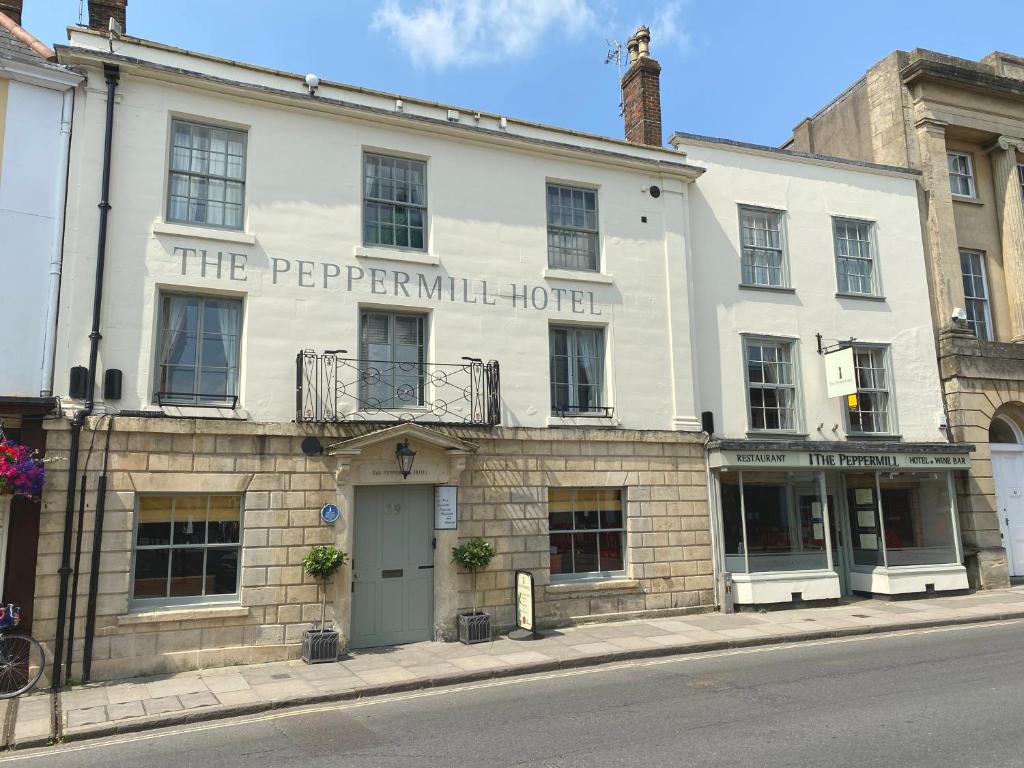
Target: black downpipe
[(94, 570), (112, 75), (76, 568)]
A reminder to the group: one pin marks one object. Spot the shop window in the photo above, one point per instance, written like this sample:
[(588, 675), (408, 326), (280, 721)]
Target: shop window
[(394, 202), (918, 522), (392, 360), (207, 175), (763, 249), (199, 339), (586, 532), (572, 228), (187, 549), (772, 522)]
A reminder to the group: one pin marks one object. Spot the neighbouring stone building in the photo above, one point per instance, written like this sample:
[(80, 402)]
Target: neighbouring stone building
[(961, 123)]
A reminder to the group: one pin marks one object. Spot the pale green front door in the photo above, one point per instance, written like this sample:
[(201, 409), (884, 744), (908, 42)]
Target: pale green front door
[(392, 565)]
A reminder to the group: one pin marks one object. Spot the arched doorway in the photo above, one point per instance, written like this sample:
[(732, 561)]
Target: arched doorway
[(1006, 439)]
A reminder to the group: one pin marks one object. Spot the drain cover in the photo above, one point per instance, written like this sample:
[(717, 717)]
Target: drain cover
[(281, 676)]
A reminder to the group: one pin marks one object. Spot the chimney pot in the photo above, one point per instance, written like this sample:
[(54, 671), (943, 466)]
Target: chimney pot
[(641, 92), (101, 11), (11, 9)]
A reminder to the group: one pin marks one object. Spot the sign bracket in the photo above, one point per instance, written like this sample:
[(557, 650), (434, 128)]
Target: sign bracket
[(824, 349)]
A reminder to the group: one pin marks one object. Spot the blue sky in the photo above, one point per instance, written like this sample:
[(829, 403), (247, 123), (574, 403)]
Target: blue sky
[(744, 70)]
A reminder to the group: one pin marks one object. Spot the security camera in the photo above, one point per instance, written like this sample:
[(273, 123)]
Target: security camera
[(312, 83), (959, 315)]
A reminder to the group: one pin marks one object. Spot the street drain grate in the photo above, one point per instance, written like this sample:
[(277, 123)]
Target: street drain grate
[(281, 676), (860, 616)]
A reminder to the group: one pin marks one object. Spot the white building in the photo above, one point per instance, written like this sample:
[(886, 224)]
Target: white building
[(814, 496), (36, 97), (304, 280)]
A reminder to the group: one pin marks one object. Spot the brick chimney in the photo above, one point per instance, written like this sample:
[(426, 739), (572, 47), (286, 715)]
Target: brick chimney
[(641, 92), (11, 9), (101, 11)]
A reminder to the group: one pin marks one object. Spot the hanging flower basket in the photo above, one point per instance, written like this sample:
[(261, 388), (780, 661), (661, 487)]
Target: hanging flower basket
[(21, 473)]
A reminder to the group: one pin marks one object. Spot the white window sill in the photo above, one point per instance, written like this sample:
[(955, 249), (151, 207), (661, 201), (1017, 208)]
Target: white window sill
[(967, 199), (191, 613), (395, 254), (578, 276), (205, 233), (594, 585), (867, 296), (595, 422), (769, 288), (204, 412)]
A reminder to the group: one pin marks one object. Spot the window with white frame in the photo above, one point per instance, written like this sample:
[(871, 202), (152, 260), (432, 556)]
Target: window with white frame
[(855, 256), (394, 201), (771, 384), (979, 313), (392, 360), (198, 344), (187, 548), (763, 255), (577, 371), (961, 174), (871, 414), (572, 228), (207, 175), (586, 532)]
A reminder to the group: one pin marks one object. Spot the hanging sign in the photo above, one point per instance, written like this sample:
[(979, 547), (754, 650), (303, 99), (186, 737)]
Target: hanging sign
[(524, 602), (840, 378), (329, 513), (446, 507)]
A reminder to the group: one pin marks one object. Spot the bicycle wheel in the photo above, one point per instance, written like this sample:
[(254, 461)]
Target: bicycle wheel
[(21, 664)]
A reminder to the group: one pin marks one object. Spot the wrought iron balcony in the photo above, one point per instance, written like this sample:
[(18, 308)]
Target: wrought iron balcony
[(330, 387)]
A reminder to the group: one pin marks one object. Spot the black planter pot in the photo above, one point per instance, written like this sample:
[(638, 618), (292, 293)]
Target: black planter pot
[(474, 628), (319, 646)]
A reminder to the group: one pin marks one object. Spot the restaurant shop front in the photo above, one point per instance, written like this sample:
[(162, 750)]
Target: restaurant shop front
[(799, 521)]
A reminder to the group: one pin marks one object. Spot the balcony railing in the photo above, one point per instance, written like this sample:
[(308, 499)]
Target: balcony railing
[(332, 388)]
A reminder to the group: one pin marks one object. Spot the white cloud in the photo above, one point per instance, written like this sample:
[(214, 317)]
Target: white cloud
[(667, 28), (438, 34)]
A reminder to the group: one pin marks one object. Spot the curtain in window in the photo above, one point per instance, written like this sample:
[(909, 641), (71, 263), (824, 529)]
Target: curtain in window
[(588, 358), (174, 342)]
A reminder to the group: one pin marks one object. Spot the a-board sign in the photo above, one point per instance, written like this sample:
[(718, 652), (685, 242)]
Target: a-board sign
[(446, 507), (524, 601)]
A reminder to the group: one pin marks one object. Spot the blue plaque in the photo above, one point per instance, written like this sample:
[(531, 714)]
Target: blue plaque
[(329, 513)]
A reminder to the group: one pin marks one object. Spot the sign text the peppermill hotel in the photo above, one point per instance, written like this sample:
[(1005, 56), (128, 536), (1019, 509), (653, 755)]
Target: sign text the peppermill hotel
[(399, 283)]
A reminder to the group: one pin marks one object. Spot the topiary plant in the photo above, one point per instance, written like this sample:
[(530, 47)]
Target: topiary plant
[(322, 562), (473, 556)]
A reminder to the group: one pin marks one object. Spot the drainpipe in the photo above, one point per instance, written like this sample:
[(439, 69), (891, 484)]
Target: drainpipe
[(57, 248), (94, 572), (112, 74)]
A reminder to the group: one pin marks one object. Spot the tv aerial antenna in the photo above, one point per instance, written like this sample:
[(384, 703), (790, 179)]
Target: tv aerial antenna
[(616, 55), (81, 11)]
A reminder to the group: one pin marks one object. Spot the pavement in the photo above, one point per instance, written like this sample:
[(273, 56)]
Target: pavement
[(103, 709)]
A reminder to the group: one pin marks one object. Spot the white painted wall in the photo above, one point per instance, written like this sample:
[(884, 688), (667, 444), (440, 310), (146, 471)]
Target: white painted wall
[(29, 213), (810, 194), (487, 221)]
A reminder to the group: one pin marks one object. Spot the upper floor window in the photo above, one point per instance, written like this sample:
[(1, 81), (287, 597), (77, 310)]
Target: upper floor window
[(771, 384), (197, 360), (871, 413), (979, 313), (392, 354), (572, 228), (394, 201), (186, 549), (1020, 176), (855, 256), (577, 371), (961, 174), (207, 181), (763, 256)]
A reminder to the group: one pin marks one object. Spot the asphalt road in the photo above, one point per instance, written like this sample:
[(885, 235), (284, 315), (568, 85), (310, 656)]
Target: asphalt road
[(948, 697)]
